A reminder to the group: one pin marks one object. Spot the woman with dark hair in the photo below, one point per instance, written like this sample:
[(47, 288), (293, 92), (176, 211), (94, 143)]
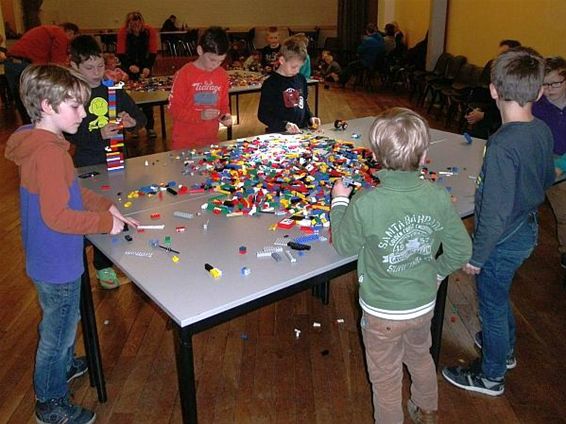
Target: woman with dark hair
[(137, 49)]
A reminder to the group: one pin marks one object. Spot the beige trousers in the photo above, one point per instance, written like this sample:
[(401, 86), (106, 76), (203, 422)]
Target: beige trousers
[(389, 345)]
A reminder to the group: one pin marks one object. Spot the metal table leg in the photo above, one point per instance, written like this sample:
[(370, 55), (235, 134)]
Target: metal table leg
[(186, 373), (90, 336), (438, 321)]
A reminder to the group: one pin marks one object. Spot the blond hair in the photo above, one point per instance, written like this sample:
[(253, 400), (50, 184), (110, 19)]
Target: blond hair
[(53, 83), (293, 47), (399, 138)]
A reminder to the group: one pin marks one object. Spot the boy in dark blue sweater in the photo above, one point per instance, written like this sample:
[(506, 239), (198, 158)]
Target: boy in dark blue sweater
[(283, 103), (518, 168)]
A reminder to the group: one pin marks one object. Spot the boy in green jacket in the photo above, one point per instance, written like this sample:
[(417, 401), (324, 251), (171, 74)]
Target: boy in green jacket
[(396, 231)]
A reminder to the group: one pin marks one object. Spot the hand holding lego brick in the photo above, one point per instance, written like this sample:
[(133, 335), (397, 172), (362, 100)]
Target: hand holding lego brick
[(126, 120), (340, 189), (119, 220), (292, 128), (226, 120)]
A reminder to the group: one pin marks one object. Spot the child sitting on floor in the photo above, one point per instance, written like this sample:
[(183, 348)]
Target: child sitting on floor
[(113, 72)]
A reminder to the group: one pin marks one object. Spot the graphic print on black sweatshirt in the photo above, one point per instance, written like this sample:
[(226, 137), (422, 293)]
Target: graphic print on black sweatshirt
[(292, 98)]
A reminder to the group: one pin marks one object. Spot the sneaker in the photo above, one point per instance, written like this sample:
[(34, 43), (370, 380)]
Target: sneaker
[(78, 367), (471, 379), (56, 411), (420, 416), (108, 278), (151, 133), (510, 361)]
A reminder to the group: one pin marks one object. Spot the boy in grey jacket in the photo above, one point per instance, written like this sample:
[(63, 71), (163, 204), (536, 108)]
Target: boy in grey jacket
[(396, 230)]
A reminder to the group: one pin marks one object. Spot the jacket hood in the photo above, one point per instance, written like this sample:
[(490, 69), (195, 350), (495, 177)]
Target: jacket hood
[(23, 143)]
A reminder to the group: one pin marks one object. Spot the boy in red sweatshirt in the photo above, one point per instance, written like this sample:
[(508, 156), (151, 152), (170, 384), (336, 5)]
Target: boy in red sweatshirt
[(199, 96)]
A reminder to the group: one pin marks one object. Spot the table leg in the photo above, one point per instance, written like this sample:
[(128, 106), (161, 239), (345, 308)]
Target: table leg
[(438, 321), (163, 127), (237, 109), (186, 373), (316, 100), (325, 292), (90, 336)]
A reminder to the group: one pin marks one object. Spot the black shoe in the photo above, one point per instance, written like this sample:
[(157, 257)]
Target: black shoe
[(56, 411), (510, 361), (78, 367), (563, 260)]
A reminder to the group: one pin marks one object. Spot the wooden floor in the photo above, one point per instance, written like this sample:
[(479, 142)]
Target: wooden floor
[(252, 369)]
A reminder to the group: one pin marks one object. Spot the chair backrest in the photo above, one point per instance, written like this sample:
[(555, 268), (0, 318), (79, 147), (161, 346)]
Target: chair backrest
[(453, 66), (465, 74), (441, 63), (485, 77), (476, 74)]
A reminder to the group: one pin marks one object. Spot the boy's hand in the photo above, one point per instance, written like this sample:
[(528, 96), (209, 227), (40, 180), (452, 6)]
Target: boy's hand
[(119, 220), (110, 130), (145, 72), (470, 269), (209, 114), (226, 120), (292, 128), (117, 226), (127, 120), (315, 122), (134, 69), (475, 116), (340, 190)]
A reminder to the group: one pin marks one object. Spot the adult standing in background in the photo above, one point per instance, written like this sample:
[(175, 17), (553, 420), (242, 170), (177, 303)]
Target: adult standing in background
[(40, 45), (137, 49)]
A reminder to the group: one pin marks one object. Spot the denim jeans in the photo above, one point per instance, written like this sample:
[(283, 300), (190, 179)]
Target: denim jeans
[(13, 72), (493, 284), (57, 331), (389, 345)]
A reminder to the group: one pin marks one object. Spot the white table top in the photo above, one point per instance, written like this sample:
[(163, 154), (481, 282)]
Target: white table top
[(185, 290)]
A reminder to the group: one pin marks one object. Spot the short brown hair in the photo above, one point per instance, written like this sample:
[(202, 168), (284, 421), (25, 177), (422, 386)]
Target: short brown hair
[(53, 83), (555, 63), (399, 138), (292, 47), (214, 40), (517, 75)]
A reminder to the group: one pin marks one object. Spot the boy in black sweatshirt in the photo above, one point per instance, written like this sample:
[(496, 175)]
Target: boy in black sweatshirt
[(283, 103)]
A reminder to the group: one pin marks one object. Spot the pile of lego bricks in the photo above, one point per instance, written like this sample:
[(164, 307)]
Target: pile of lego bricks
[(245, 79), (282, 175), (151, 84)]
